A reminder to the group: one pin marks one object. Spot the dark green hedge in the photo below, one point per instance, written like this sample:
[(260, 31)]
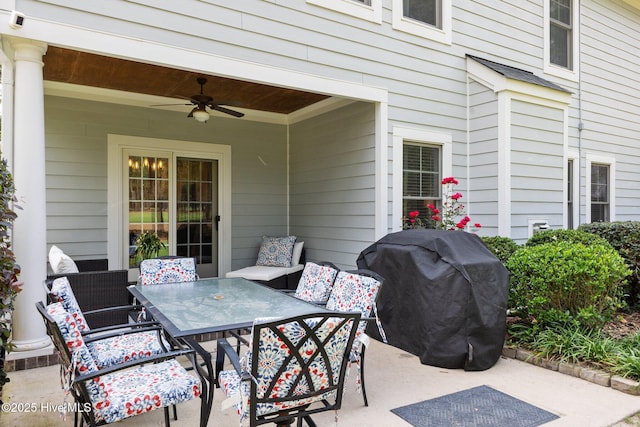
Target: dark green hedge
[(624, 236)]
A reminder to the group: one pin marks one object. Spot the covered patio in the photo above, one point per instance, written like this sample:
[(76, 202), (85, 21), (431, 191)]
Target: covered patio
[(394, 379)]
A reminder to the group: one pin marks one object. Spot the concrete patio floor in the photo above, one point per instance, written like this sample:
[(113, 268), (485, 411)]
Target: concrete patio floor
[(394, 378)]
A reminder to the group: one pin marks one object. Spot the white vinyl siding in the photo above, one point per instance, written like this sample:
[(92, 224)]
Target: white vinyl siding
[(537, 166), (332, 178), (484, 157)]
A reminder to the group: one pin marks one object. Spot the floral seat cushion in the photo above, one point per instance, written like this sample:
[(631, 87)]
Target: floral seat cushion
[(123, 394), (171, 270), (272, 353), (316, 282), (123, 348)]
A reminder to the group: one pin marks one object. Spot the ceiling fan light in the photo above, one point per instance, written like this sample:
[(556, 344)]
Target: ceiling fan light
[(201, 116)]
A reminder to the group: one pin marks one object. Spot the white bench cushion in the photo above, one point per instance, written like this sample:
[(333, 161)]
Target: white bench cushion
[(259, 272)]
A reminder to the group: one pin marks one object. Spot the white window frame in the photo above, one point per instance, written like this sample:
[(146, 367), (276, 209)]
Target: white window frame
[(556, 70), (400, 136), (422, 29), (602, 160), (117, 232), (355, 8)]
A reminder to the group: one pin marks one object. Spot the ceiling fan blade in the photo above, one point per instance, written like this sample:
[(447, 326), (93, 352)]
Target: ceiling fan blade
[(226, 110), (192, 111)]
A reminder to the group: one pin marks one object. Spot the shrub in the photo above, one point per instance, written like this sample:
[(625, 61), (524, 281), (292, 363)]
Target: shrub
[(562, 235), (567, 282), (624, 236), (501, 247)]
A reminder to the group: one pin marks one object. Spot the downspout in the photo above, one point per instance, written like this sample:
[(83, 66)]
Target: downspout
[(580, 124), (6, 141)]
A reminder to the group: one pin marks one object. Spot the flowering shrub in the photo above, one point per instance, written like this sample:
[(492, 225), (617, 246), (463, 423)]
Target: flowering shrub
[(447, 218)]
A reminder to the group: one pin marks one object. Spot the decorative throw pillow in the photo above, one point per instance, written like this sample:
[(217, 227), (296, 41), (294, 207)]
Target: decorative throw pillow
[(276, 251), (60, 262)]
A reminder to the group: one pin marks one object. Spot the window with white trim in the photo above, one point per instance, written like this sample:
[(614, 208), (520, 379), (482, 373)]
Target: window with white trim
[(600, 194), (426, 18), (561, 38), (421, 177)]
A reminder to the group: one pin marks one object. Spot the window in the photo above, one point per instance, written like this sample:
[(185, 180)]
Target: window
[(560, 32), (561, 38), (427, 11), (425, 18), (599, 193), (421, 176)]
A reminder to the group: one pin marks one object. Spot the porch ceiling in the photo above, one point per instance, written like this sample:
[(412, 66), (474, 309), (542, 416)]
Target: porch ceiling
[(87, 69)]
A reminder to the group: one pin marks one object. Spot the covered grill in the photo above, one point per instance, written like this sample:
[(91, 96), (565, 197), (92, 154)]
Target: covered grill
[(444, 297)]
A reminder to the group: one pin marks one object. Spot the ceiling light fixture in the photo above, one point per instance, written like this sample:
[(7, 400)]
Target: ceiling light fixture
[(201, 115)]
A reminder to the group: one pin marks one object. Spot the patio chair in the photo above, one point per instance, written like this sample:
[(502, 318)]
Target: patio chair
[(111, 394), (356, 291), (155, 271), (110, 345), (316, 282), (295, 367)]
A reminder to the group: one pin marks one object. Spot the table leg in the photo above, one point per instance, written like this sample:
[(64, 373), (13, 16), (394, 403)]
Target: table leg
[(210, 377)]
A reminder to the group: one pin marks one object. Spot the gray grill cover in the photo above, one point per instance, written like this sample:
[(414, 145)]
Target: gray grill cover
[(444, 297)]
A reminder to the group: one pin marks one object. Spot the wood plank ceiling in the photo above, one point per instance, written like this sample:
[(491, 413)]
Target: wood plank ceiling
[(82, 68)]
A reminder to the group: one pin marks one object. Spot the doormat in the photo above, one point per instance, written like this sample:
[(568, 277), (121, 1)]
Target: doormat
[(480, 406)]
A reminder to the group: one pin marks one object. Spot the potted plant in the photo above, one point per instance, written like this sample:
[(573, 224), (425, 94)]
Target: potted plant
[(148, 245), (9, 270)]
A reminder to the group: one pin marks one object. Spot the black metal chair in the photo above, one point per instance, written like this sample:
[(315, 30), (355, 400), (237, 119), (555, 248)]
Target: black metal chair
[(295, 367), (110, 394)]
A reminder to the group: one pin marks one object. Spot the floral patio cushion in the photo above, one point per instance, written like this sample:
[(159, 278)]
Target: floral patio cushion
[(316, 282), (276, 251), (354, 292), (272, 353), (62, 292), (170, 270), (135, 391), (123, 348), (68, 326)]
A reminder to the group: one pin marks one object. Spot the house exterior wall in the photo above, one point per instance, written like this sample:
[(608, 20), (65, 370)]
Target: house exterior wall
[(426, 81), (332, 168)]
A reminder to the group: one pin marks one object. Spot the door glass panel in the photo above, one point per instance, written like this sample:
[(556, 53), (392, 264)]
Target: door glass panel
[(148, 200), (196, 211)]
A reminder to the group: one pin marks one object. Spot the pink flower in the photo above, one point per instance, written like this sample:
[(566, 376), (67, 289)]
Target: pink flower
[(435, 218), (456, 196), (414, 214), (477, 225), (435, 211), (449, 180)]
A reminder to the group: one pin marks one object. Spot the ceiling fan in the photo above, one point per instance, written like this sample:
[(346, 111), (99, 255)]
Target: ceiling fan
[(202, 101)]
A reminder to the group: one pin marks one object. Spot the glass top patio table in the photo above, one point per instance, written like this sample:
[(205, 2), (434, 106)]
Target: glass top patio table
[(216, 305)]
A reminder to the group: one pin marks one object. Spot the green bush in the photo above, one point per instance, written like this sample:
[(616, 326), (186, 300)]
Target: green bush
[(562, 235), (624, 236), (501, 247), (567, 282)]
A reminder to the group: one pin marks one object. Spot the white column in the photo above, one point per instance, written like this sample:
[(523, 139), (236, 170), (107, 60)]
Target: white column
[(30, 227)]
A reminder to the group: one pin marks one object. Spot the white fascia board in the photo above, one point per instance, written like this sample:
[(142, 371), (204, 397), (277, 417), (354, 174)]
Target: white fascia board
[(83, 39)]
